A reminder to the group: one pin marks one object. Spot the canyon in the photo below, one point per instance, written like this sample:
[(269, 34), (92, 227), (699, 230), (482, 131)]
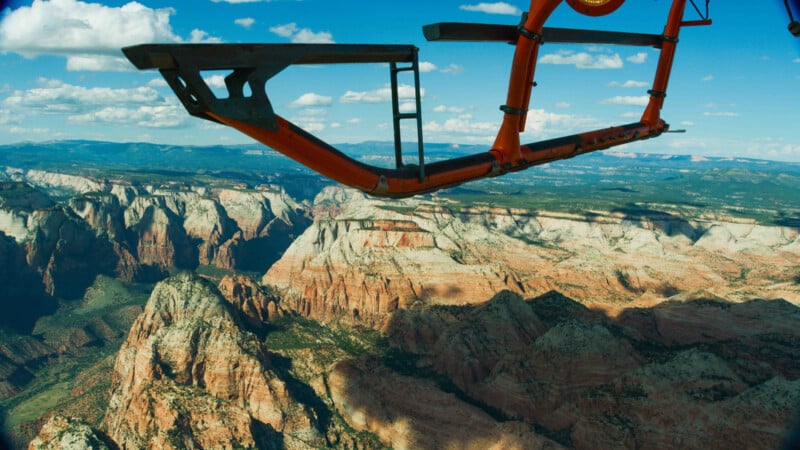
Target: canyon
[(352, 322)]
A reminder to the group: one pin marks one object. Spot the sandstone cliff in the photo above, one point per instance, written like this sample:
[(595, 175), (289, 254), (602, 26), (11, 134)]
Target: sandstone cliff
[(364, 258), (189, 375), (137, 232)]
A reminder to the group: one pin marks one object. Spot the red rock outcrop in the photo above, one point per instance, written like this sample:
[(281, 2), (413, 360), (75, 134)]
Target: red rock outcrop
[(367, 257), (255, 306), (189, 375)]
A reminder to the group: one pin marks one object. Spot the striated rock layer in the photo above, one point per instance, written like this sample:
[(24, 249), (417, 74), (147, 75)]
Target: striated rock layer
[(365, 258), (189, 375)]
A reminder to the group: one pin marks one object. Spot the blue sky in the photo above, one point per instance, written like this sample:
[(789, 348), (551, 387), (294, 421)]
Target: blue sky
[(735, 85)]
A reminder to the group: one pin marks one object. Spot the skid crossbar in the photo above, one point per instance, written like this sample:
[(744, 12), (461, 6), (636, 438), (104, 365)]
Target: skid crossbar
[(251, 65)]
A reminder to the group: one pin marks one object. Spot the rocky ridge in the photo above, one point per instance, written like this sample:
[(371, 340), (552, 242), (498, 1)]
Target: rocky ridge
[(364, 258), (190, 375), (133, 232)]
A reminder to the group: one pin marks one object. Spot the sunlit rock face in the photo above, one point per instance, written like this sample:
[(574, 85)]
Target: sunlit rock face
[(64, 433), (364, 258), (189, 375)]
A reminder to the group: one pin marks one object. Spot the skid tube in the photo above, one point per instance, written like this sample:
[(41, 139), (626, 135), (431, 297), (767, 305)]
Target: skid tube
[(252, 65)]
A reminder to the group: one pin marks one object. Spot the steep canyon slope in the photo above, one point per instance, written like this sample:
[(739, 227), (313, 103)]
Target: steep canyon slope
[(425, 323)]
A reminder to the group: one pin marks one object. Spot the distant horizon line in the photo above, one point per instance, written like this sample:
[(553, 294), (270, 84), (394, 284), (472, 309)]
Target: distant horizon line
[(612, 152)]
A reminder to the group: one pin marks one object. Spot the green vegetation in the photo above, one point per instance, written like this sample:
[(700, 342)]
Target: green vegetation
[(765, 197), (89, 333)]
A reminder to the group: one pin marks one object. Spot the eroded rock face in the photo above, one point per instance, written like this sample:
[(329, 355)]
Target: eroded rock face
[(365, 258), (62, 433), (140, 233), (189, 375), (362, 261), (689, 374), (257, 307)]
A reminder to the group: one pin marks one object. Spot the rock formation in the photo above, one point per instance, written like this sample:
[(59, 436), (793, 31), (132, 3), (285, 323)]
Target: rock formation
[(366, 258), (65, 433), (189, 375), (644, 379)]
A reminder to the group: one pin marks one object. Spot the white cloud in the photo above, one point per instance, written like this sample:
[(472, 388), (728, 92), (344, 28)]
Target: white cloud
[(708, 78), (541, 123), (158, 116), (721, 114), (639, 58), (354, 121), (493, 8), (302, 35), (140, 106), (98, 63), (199, 36), (215, 82), (310, 124), (449, 109), (311, 99), (562, 105), (245, 22), (583, 60), (640, 100), (629, 84), (452, 69), (797, 60), (89, 35), (6, 117), (408, 107), (461, 125), (425, 66), (384, 94), (57, 96), (687, 123), (157, 82)]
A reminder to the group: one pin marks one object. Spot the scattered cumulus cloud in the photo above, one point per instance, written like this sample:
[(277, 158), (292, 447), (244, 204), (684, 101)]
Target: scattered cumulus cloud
[(583, 60), (708, 78), (157, 82), (89, 35), (639, 58), (425, 67), (408, 107), (215, 82), (58, 96), (493, 8), (629, 100), (629, 84), (687, 123), (311, 99), (453, 69), (301, 35), (562, 105), (245, 22), (141, 106), (159, 116), (721, 114), (448, 109), (543, 124), (384, 94)]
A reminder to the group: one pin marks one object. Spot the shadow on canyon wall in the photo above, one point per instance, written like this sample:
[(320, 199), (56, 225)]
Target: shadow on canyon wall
[(696, 374)]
